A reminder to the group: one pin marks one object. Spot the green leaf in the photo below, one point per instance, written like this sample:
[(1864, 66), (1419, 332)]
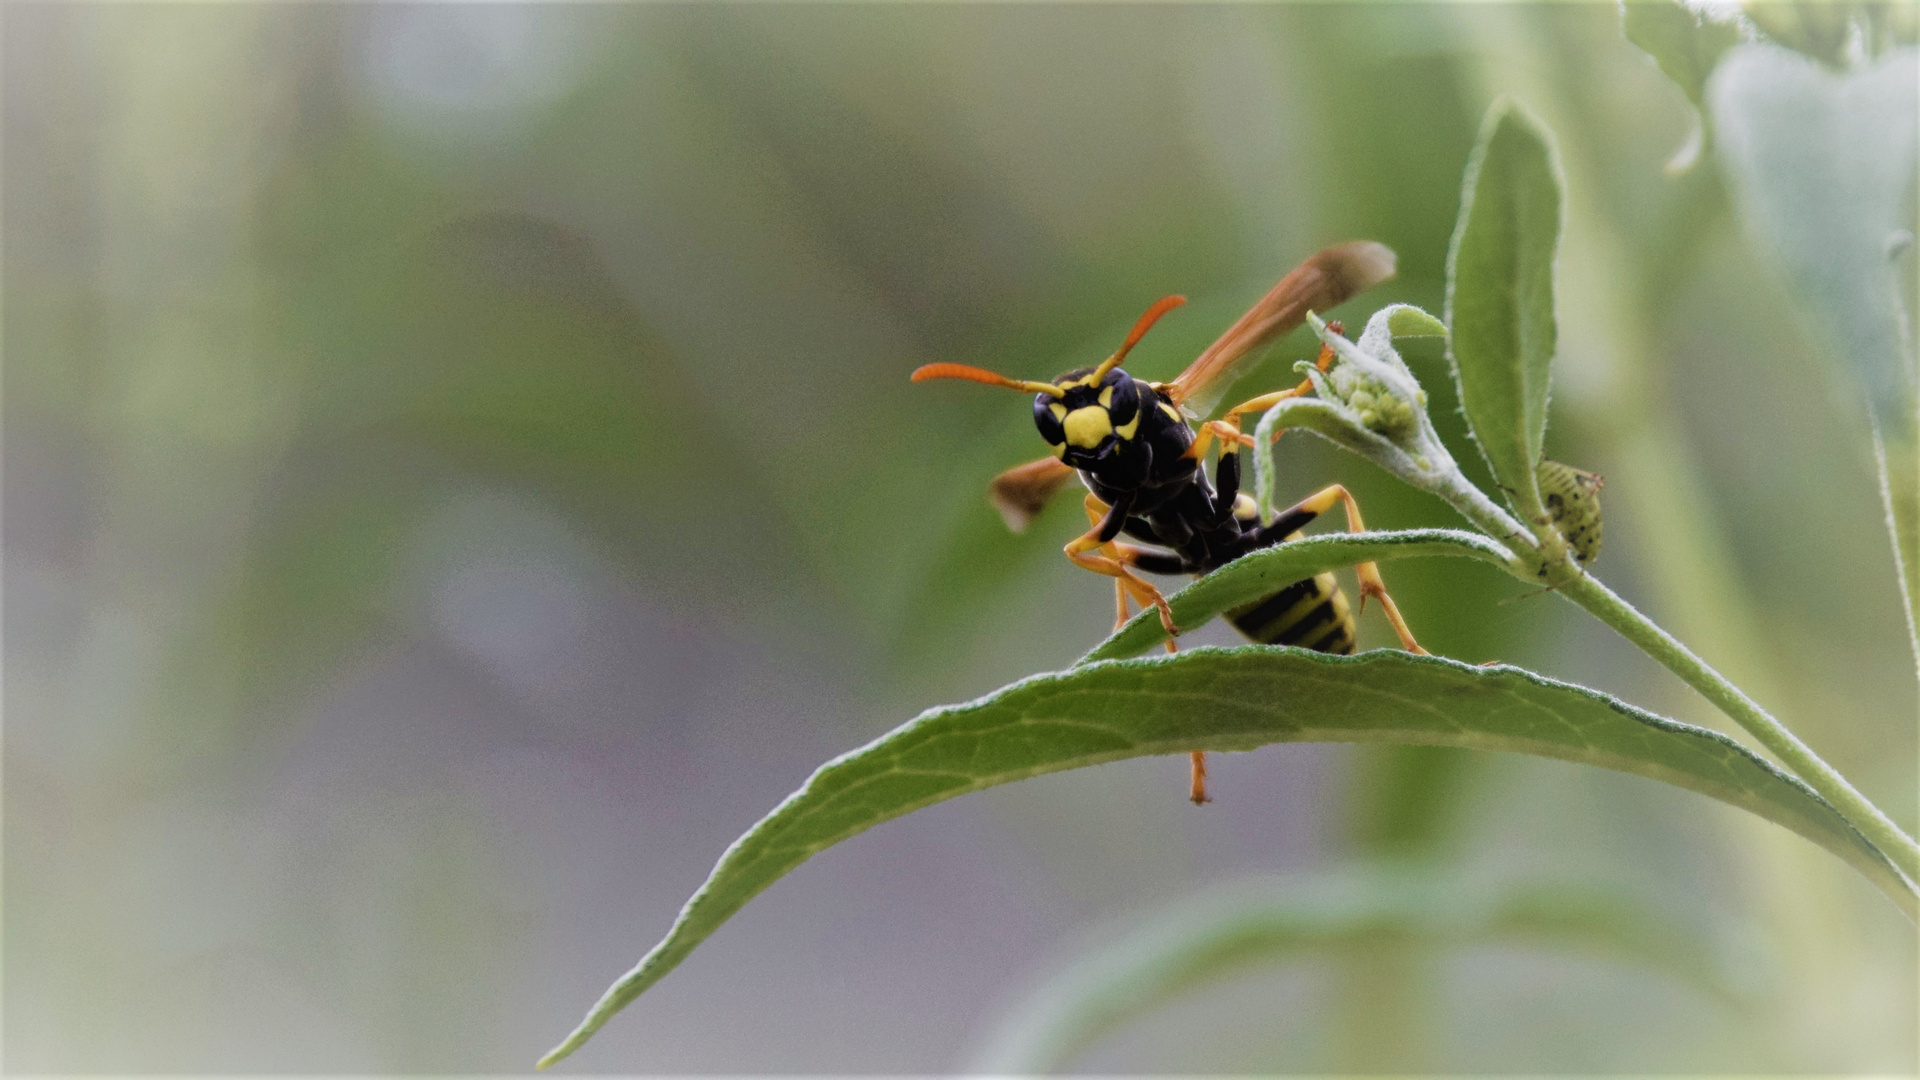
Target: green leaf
[(1225, 700), (1686, 47), (1265, 572), (1822, 168), (1405, 321), (1225, 933), (1814, 28), (1500, 295)]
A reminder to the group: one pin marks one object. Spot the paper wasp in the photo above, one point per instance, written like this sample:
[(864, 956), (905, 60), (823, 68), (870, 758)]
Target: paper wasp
[(1135, 446)]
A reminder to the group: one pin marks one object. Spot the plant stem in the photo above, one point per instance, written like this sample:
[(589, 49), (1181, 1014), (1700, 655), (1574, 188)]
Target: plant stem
[(1609, 608), (1473, 504)]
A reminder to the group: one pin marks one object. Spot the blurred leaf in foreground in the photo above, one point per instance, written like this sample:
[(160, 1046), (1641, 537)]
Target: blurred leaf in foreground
[(1822, 167), (1815, 28), (1229, 932), (1686, 45)]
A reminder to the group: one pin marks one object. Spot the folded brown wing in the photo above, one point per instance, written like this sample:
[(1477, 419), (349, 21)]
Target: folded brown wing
[(1023, 491), (1324, 281)]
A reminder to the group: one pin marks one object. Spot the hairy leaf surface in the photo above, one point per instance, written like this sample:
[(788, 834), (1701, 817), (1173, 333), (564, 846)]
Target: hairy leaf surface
[(1500, 295), (1224, 700), (1274, 568)]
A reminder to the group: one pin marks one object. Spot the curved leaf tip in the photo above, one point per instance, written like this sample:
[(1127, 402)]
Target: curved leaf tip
[(1222, 700)]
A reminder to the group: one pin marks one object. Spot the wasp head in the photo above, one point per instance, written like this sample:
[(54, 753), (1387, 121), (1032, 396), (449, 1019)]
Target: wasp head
[(1094, 412)]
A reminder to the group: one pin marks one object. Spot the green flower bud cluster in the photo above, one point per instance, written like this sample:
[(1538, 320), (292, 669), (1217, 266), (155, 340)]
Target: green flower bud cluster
[(1378, 407), (1369, 402)]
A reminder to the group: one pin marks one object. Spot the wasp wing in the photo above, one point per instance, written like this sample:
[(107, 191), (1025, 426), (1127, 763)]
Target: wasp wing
[(1024, 490), (1322, 282)]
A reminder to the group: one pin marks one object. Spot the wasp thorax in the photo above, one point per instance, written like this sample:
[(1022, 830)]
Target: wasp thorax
[(1088, 418)]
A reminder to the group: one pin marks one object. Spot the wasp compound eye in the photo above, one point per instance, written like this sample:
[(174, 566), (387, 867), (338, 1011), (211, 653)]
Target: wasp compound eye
[(1122, 401), (1047, 416)]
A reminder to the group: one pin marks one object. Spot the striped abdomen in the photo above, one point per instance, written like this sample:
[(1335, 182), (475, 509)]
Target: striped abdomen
[(1312, 614)]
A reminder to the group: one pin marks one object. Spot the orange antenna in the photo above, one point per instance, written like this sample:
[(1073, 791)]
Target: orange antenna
[(1165, 304), (981, 375)]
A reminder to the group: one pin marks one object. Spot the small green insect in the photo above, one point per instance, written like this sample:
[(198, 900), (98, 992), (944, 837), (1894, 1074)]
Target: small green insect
[(1573, 503)]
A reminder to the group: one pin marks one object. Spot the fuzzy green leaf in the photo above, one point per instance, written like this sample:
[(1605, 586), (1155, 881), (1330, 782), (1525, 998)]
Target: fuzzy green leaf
[(1225, 933), (1224, 700), (1267, 571), (1407, 321), (1822, 167), (1500, 295)]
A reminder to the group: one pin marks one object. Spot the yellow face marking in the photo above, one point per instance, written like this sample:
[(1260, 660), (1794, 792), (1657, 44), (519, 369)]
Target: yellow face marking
[(1106, 398), (1087, 425), (1059, 411), (1126, 430)]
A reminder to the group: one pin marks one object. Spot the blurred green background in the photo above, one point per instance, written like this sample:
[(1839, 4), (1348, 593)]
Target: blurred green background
[(460, 472)]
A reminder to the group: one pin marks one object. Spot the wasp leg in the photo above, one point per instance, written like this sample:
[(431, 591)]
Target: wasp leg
[(1122, 611), (1100, 536), (1227, 428), (1153, 562), (1164, 563), (1368, 572), (1232, 436)]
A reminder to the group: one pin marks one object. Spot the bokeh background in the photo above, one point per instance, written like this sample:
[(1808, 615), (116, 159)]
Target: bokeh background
[(460, 472)]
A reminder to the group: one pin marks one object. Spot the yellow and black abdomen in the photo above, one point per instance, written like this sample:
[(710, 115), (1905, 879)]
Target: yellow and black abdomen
[(1312, 614)]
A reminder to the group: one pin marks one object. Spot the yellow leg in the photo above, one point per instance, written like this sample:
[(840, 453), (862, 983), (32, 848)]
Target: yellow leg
[(1121, 613), (1265, 402), (1227, 430), (1128, 555), (1141, 591), (1228, 433), (1227, 427), (1368, 572)]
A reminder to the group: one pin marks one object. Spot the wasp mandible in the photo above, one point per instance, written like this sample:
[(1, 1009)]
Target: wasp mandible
[(1136, 447)]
